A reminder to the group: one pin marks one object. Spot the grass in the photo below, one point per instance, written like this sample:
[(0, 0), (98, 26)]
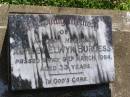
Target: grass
[(100, 4)]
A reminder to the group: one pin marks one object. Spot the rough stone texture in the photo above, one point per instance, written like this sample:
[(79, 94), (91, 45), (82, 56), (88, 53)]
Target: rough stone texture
[(120, 88), (3, 22), (121, 38)]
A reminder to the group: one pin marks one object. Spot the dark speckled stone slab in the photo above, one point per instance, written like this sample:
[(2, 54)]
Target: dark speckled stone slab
[(51, 51)]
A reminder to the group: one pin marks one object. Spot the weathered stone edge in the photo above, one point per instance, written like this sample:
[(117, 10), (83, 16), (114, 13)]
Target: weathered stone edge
[(120, 19)]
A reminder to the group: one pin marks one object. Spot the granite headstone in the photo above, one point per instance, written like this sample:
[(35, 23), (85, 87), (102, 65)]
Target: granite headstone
[(50, 50)]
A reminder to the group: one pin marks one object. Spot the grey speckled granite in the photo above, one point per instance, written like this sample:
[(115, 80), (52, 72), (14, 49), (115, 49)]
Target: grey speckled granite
[(101, 90), (48, 50), (120, 27)]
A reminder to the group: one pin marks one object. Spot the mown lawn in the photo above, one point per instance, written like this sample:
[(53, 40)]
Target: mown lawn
[(104, 4)]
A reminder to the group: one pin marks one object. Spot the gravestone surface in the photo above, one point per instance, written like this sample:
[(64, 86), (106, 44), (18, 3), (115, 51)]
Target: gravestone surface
[(120, 27), (101, 90), (50, 50)]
